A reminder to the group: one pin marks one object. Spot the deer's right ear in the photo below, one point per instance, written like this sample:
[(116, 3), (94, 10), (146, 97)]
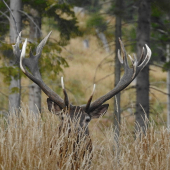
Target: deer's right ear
[(53, 107), (99, 111)]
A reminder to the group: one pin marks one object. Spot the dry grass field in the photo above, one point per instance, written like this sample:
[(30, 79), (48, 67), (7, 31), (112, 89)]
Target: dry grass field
[(25, 144)]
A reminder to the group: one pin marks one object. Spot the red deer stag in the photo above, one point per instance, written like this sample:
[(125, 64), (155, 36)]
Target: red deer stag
[(64, 108)]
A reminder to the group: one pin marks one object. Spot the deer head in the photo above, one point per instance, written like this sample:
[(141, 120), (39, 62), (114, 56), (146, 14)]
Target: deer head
[(92, 109)]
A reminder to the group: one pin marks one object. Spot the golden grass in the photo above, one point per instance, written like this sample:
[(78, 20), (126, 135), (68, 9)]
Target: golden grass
[(25, 143)]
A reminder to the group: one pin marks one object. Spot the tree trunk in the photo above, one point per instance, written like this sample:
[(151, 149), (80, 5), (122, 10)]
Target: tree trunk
[(35, 98), (117, 117), (168, 86), (35, 35), (15, 84), (143, 37)]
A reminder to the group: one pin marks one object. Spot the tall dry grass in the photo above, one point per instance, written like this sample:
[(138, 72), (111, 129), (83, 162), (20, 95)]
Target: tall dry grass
[(31, 143)]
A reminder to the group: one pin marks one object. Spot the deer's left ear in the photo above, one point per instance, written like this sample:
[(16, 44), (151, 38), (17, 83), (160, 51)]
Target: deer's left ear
[(99, 111), (53, 107)]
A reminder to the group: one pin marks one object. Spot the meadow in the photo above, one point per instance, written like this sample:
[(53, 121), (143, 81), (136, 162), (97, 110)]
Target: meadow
[(25, 143)]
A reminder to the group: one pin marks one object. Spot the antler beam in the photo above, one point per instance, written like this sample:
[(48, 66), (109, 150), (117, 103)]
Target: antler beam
[(129, 75), (32, 64)]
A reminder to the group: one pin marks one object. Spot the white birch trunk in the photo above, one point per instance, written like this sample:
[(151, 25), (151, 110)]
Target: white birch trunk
[(35, 98), (14, 97)]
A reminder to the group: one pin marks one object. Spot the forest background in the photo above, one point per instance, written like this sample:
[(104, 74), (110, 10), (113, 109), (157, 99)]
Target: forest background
[(83, 48)]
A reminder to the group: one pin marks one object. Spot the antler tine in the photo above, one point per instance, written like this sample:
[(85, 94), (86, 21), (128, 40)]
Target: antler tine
[(23, 55), (16, 49), (32, 64), (128, 77), (42, 43), (142, 55), (66, 100), (90, 99), (119, 57), (135, 58), (147, 58), (131, 59)]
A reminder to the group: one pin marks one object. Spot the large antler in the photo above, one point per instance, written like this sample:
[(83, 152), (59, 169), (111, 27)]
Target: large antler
[(32, 64), (129, 75), (35, 76)]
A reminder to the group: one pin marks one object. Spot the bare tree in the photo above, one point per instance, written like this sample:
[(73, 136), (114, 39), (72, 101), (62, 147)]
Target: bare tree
[(143, 37)]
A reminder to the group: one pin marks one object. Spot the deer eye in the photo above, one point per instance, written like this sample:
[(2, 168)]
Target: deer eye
[(87, 119)]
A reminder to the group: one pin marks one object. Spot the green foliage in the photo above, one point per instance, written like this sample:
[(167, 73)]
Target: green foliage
[(160, 7), (8, 69), (3, 21), (97, 21), (68, 29), (62, 14), (79, 3), (111, 10), (14, 90), (40, 5), (160, 33), (59, 9), (94, 6), (51, 61), (4, 29), (2, 5), (9, 72), (125, 9), (52, 67), (6, 50), (166, 66), (66, 22)]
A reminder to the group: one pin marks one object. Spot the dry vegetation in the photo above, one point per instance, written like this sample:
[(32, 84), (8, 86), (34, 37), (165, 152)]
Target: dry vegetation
[(25, 143)]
